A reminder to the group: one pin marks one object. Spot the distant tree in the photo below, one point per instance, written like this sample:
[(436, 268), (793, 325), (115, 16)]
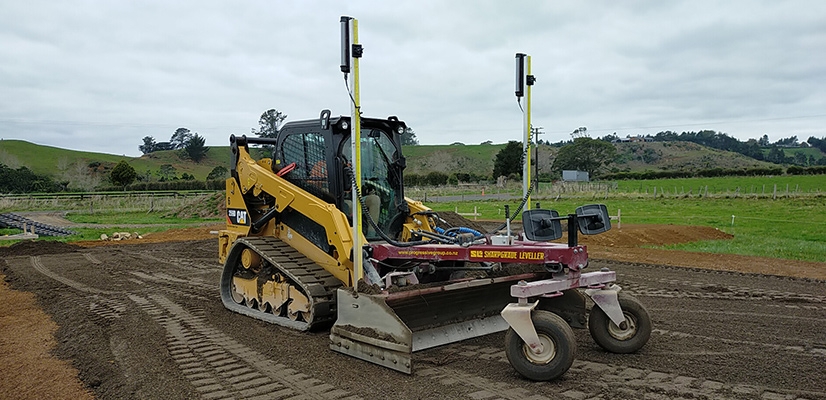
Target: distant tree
[(180, 138), (487, 142), (269, 124), (800, 158), (160, 146), (195, 149), (585, 154), (776, 155), (148, 145), (764, 141), (509, 160), (78, 176), (436, 178), (819, 144), (409, 137), (219, 172), (123, 174), (23, 180), (752, 149), (580, 132), (666, 136), (187, 177), (145, 176), (788, 142), (166, 172)]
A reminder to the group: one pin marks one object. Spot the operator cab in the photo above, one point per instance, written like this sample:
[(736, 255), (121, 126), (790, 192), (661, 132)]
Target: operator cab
[(321, 151)]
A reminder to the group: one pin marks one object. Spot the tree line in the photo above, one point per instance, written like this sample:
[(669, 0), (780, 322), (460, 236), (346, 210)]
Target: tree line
[(190, 146)]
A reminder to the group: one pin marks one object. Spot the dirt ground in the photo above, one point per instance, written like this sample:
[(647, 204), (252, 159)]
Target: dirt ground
[(142, 319)]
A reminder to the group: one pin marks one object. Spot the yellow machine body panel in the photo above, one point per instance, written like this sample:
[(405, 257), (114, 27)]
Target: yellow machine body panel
[(255, 178)]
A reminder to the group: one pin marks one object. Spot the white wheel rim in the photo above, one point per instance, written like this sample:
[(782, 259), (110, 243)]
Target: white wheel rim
[(546, 355), (623, 334)]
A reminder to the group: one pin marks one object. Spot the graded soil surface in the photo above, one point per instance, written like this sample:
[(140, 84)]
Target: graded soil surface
[(143, 319)]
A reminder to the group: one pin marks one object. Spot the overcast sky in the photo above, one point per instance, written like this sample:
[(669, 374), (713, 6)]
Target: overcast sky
[(101, 75)]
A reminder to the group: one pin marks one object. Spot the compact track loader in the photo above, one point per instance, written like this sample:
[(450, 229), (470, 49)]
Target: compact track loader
[(320, 235)]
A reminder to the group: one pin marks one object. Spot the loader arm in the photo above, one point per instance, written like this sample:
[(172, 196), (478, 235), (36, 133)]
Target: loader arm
[(315, 228)]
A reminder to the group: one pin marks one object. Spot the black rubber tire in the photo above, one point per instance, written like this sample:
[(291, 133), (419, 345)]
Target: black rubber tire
[(553, 330), (621, 341)]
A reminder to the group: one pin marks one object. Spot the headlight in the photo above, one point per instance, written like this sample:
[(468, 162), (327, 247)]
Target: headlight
[(345, 125), (400, 130)]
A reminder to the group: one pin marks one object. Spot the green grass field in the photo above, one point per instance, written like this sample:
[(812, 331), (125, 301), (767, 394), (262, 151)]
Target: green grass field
[(790, 152), (744, 185), (792, 228)]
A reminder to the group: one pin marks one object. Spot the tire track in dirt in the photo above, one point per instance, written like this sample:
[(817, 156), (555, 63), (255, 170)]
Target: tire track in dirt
[(37, 263), (817, 350), (719, 291), (685, 359), (99, 302), (215, 364), (221, 367), (605, 381)]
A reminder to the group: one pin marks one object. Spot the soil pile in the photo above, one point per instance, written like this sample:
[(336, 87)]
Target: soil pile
[(455, 220), (37, 248), (654, 235)]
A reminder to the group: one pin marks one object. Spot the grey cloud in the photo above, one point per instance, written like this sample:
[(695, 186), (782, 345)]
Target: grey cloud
[(99, 76)]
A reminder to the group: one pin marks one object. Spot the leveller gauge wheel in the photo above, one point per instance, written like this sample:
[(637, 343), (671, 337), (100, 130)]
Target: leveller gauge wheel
[(629, 336), (558, 348)]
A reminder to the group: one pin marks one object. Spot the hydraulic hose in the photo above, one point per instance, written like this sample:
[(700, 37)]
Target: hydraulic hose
[(518, 209), (372, 223)]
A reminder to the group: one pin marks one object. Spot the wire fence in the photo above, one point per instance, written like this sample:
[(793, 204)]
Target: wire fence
[(97, 202), (605, 190)]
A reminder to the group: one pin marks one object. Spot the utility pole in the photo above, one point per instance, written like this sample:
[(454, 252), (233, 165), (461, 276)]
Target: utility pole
[(536, 132)]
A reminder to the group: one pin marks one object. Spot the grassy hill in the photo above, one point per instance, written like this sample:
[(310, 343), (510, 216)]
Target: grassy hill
[(790, 152), (48, 160), (657, 156), (476, 158), (681, 156)]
